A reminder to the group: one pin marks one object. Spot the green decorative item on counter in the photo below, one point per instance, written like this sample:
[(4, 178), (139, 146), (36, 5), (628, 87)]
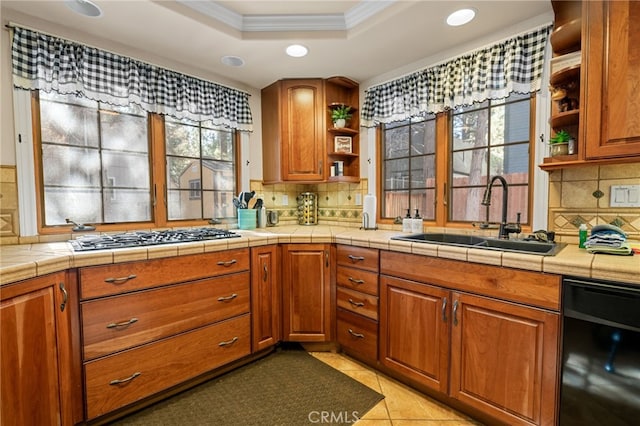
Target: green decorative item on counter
[(559, 143)]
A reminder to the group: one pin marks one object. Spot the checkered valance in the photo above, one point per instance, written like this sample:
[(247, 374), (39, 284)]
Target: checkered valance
[(48, 63), (514, 65)]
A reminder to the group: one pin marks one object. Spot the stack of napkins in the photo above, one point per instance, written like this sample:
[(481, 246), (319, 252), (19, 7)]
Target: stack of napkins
[(608, 239)]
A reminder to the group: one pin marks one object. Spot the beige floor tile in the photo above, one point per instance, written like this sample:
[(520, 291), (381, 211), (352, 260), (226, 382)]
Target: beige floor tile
[(433, 423), (405, 403), (338, 361), (379, 412), (367, 378), (377, 422)]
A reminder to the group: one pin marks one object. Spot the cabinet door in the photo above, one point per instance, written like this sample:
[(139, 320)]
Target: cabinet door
[(414, 326), (612, 124), (37, 385), (302, 124), (307, 292), (265, 297), (504, 359)]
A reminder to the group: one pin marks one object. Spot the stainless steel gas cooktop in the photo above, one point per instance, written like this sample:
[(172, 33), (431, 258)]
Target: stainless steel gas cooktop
[(148, 238)]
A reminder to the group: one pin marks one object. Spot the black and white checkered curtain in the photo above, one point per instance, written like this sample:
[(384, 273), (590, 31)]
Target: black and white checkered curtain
[(48, 63), (514, 65)]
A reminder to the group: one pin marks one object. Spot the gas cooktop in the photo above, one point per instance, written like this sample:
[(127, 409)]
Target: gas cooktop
[(148, 238)]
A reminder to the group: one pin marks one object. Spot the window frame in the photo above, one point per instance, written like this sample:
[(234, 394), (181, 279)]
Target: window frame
[(158, 192), (444, 126)]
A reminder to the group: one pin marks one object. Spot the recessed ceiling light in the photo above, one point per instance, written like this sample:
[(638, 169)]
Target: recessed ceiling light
[(84, 7), (297, 50), (461, 17), (232, 61)]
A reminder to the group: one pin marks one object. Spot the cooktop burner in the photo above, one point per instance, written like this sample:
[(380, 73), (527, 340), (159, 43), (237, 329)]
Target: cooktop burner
[(148, 238)]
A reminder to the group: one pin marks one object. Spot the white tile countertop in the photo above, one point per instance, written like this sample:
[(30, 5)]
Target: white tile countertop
[(19, 262)]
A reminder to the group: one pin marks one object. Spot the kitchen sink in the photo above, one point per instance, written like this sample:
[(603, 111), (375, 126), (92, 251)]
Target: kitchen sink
[(488, 243)]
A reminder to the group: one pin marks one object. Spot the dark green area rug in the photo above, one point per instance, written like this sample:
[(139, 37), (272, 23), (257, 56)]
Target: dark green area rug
[(288, 387)]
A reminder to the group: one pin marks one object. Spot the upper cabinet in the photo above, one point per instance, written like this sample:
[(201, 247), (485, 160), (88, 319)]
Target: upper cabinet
[(612, 65), (594, 81), (299, 140)]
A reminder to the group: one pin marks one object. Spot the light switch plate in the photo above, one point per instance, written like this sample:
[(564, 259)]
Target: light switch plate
[(358, 199), (285, 200), (625, 196)]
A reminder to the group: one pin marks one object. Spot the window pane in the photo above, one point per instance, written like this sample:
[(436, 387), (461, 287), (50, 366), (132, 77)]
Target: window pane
[(69, 124), (396, 142), (510, 123), (518, 202), (469, 167), (126, 205), (79, 204), (396, 174), (217, 145), (512, 162), (423, 171), (470, 130), (181, 171), (466, 204), (124, 132), (395, 203), (182, 140), (125, 170), (217, 175), (423, 200), (181, 206), (73, 167), (218, 204), (423, 138)]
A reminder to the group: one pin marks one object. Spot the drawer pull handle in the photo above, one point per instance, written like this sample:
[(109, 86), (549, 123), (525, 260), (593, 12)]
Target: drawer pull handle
[(227, 298), (356, 304), (128, 379), (265, 274), (122, 324), (65, 297), (444, 309), (355, 281), (227, 262), (455, 313), (120, 280), (228, 342), (354, 334), (356, 258)]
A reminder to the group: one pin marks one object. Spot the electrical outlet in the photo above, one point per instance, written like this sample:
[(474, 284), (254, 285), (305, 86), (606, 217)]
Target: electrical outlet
[(625, 196), (358, 199), (285, 200)]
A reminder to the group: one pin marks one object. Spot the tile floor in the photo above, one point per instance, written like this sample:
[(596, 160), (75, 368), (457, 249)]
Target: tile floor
[(402, 405)]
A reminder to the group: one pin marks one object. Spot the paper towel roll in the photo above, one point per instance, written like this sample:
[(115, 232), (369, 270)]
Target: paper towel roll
[(369, 207)]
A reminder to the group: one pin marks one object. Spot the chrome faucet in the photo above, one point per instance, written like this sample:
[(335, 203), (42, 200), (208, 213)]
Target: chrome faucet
[(505, 228)]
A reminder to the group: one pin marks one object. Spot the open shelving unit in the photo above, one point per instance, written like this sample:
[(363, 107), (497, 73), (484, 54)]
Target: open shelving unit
[(343, 91)]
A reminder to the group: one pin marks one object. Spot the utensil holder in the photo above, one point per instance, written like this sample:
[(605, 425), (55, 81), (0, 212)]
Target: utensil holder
[(247, 218)]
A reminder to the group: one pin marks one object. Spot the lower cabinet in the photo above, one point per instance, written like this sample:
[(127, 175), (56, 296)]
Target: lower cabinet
[(495, 355), (39, 384), (307, 296), (146, 329), (265, 297)]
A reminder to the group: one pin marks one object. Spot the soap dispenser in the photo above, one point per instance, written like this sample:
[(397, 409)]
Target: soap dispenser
[(416, 223), (407, 222)]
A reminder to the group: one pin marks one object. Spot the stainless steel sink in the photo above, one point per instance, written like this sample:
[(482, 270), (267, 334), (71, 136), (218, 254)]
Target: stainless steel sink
[(488, 243)]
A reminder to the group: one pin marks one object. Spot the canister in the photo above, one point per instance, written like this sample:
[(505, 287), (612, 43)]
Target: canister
[(307, 208)]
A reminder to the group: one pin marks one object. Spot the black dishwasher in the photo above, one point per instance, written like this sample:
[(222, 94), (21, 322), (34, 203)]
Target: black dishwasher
[(601, 353)]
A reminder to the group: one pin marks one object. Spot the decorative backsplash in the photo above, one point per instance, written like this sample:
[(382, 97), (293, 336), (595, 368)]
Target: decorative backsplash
[(336, 201), (9, 227), (582, 195)]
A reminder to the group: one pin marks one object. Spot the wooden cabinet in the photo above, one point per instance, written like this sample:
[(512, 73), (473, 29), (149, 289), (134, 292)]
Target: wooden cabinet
[(265, 297), (498, 354), (414, 331), (293, 123), (612, 58), (298, 138), (307, 296), (149, 326), (357, 301), (504, 359), (40, 374), (601, 108)]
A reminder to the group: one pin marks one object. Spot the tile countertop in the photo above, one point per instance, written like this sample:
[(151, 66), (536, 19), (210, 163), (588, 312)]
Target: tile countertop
[(19, 262)]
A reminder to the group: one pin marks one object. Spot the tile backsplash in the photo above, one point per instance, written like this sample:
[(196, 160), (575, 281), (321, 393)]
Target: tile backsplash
[(338, 203), (9, 227), (582, 195)]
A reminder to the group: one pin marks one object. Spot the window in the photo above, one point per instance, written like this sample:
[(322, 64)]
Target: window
[(96, 166), (95, 161), (200, 170), (457, 152), (409, 168)]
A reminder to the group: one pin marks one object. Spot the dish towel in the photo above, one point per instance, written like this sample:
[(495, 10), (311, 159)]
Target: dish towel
[(608, 239)]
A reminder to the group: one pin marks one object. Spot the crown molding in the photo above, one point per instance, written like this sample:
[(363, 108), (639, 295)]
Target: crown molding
[(362, 11)]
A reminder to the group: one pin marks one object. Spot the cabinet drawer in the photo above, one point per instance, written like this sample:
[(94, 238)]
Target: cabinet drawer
[(99, 281), (358, 257), (360, 303), (115, 323), (358, 334), (357, 279), (158, 366)]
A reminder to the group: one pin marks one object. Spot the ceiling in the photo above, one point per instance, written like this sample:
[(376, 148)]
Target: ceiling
[(353, 38)]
